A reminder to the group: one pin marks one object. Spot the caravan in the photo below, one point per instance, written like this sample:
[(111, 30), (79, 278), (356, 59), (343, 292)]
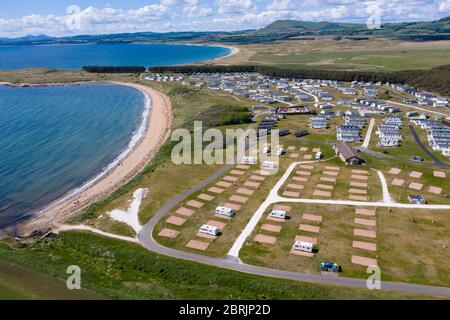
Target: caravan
[(224, 211), (279, 214), (209, 230), (266, 150), (249, 160), (318, 155), (270, 165), (303, 246)]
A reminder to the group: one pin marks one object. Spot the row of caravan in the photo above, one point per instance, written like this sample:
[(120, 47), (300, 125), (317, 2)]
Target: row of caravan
[(268, 150), (214, 231)]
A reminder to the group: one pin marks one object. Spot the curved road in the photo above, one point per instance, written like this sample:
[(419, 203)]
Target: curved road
[(146, 239), (419, 142)]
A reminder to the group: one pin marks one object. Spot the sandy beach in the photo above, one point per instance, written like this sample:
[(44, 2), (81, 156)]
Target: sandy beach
[(158, 130)]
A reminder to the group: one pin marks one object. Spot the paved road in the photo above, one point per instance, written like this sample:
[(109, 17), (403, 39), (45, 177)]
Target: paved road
[(417, 108), (384, 186), (146, 239), (368, 134), (419, 142)]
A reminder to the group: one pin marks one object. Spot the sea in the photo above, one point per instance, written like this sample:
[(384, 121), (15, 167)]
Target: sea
[(56, 140), (78, 56)]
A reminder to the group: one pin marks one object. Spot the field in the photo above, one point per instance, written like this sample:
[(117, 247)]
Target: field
[(17, 282), (119, 270), (324, 53), (412, 245)]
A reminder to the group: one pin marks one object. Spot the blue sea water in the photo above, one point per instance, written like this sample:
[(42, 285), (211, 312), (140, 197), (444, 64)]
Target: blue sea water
[(55, 139), (78, 56)]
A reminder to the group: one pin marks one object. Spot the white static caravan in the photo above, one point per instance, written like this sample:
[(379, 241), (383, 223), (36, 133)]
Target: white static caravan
[(210, 230), (224, 211), (270, 165), (249, 160), (303, 246), (279, 214)]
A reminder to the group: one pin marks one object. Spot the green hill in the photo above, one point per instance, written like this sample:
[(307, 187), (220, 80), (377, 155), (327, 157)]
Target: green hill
[(278, 30)]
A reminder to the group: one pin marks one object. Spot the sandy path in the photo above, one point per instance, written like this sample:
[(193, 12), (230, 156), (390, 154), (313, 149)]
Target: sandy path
[(158, 130)]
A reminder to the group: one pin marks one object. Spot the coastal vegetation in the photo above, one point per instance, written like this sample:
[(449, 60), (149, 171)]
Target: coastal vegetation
[(114, 69)]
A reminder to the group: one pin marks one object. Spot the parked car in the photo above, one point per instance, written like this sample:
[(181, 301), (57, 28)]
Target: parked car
[(417, 159)]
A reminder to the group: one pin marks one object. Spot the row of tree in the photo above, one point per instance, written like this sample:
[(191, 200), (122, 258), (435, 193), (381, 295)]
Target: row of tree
[(112, 69)]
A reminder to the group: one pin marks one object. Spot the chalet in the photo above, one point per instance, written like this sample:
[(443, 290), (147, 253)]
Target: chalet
[(284, 132), (347, 133), (303, 97), (323, 105), (318, 122), (347, 90), (347, 154), (410, 101), (301, 133), (370, 91), (355, 120), (325, 96)]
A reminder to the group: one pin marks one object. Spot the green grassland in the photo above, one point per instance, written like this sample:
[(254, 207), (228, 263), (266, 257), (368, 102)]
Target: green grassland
[(410, 243), (376, 54), (119, 270), (17, 282)]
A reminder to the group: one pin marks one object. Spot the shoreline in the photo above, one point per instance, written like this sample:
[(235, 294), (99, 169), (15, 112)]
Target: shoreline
[(158, 123)]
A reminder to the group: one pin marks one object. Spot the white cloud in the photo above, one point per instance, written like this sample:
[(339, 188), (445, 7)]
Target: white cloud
[(444, 6), (234, 7), (198, 15), (280, 5)]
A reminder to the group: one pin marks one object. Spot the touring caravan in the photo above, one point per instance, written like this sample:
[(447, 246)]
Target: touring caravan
[(318, 155), (303, 246), (249, 160), (279, 214), (280, 151), (210, 230), (266, 150), (224, 211), (270, 164)]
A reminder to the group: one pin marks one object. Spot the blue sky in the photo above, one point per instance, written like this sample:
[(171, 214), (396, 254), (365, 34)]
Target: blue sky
[(70, 17)]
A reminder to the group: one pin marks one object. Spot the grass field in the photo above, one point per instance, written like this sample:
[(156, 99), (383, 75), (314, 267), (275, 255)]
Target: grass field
[(325, 53), (119, 270), (17, 282), (410, 243)]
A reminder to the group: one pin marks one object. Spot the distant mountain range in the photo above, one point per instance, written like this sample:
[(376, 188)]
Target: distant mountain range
[(278, 30)]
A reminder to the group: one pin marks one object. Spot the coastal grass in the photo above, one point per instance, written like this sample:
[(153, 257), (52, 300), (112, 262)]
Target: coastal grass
[(375, 54), (120, 270), (20, 283)]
